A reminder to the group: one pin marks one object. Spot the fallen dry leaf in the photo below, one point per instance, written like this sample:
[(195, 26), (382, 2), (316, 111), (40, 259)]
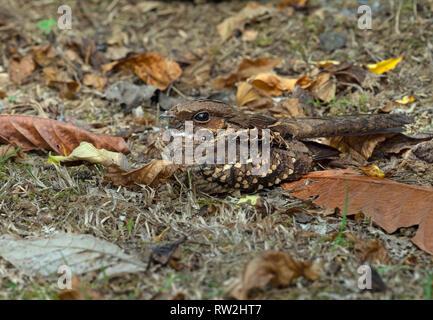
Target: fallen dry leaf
[(372, 252), (423, 151), (20, 70), (249, 35), (271, 84), (323, 86), (405, 100), (288, 108), (95, 80), (152, 68), (246, 69), (198, 73), (384, 66), (296, 3), (390, 204), (359, 147), (59, 79), (34, 132), (246, 93), (272, 268), (373, 171), (86, 48), (152, 174), (44, 55), (252, 11), (400, 142), (82, 253), (87, 152), (79, 291)]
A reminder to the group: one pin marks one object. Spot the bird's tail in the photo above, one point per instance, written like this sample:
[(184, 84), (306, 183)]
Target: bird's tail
[(353, 125)]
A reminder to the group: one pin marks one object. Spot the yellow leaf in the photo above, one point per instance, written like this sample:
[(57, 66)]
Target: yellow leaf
[(327, 63), (405, 100), (87, 152), (373, 171), (384, 66), (253, 199)]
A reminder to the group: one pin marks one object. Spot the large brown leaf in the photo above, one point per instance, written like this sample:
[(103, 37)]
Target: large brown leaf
[(152, 68), (34, 132), (390, 204), (152, 174), (273, 268), (246, 69)]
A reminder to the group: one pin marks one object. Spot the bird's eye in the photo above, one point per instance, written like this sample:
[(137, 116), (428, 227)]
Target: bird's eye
[(202, 117)]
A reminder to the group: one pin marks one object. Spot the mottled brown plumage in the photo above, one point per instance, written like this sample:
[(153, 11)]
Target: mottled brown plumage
[(290, 156)]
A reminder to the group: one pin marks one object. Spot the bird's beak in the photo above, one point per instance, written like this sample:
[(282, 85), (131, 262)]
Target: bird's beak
[(167, 114)]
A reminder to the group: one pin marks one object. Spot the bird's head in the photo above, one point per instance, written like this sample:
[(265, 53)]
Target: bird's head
[(204, 114)]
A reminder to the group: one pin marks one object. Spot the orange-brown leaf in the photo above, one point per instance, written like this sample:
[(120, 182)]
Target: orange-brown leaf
[(152, 68), (59, 79), (390, 204), (152, 174), (274, 268), (272, 84), (34, 132), (79, 291), (20, 70), (246, 69)]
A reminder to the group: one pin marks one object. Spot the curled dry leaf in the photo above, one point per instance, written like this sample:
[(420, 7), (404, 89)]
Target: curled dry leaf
[(246, 69), (295, 3), (152, 174), (246, 93), (59, 79), (384, 66), (288, 108), (152, 68), (20, 70), (86, 48), (44, 55), (272, 268), (423, 151), (249, 35), (198, 73), (372, 252), (87, 152), (78, 291), (359, 147), (271, 84), (400, 142), (34, 132), (95, 80), (252, 11), (323, 87), (390, 204), (373, 171), (405, 100)]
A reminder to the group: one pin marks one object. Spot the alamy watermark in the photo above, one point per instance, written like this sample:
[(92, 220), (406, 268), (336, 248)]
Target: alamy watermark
[(229, 147), (65, 280), (364, 21), (364, 281), (65, 20)]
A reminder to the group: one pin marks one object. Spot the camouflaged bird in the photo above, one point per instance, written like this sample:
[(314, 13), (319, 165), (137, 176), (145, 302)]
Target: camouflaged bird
[(291, 156)]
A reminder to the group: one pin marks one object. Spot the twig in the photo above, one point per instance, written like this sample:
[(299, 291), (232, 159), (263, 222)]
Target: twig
[(397, 17)]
